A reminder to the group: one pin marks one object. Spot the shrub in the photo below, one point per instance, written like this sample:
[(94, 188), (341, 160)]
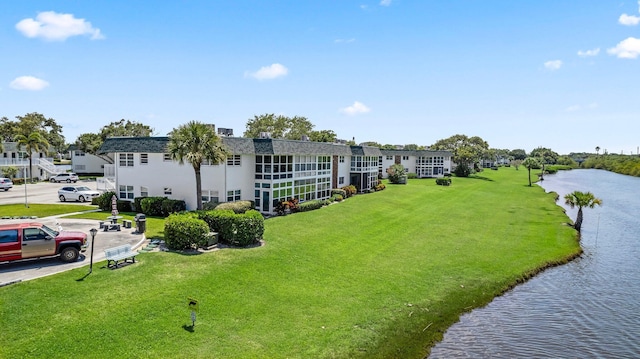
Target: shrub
[(210, 205), (290, 205), (172, 206), (238, 229), (462, 171), (339, 191), (137, 207), (237, 206), (337, 197), (152, 206), (397, 173), (350, 190), (311, 205), (412, 175), (103, 201), (123, 206), (182, 231), (443, 181), (380, 186)]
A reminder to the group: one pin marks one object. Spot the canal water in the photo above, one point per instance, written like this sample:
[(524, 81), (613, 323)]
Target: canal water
[(589, 308)]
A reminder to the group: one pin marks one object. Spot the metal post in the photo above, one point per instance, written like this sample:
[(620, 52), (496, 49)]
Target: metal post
[(93, 232), (24, 177)]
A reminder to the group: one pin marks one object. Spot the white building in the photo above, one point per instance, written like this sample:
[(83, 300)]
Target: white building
[(263, 170), (12, 156), (86, 163), (423, 163)]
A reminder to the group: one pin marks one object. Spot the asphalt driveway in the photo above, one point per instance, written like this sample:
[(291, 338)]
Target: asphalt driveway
[(41, 192)]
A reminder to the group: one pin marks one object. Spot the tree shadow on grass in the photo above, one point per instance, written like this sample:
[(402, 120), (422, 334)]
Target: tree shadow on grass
[(481, 178)]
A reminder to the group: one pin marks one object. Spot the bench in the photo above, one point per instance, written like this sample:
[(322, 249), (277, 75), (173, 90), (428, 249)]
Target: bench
[(111, 227), (121, 254)]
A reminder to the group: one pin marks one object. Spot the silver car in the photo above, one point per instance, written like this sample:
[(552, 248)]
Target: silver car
[(5, 183), (77, 193), (65, 177)]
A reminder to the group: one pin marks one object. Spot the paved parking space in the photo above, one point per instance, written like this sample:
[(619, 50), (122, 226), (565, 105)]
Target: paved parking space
[(41, 192)]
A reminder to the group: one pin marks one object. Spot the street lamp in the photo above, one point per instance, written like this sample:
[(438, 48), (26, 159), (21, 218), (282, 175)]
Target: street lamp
[(93, 232), (24, 177)]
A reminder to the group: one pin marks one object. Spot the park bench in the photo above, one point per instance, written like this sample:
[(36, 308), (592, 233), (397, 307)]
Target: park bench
[(121, 253)]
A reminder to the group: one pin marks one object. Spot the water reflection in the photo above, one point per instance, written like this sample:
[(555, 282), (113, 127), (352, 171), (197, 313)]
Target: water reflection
[(588, 308)]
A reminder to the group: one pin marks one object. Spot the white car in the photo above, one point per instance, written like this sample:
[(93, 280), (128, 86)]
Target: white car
[(65, 177), (5, 183), (77, 193)]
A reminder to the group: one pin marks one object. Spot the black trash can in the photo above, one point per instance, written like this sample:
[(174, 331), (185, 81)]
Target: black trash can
[(141, 223)]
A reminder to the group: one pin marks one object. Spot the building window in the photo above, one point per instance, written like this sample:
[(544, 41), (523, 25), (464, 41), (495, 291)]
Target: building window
[(79, 153), (144, 191), (233, 195), (341, 159), (144, 158), (405, 158), (167, 190), (389, 158), (209, 196), (233, 160), (167, 157), (126, 192), (125, 160), (80, 167), (341, 180)]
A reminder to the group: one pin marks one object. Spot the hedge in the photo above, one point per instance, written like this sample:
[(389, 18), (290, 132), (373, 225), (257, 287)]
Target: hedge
[(152, 206), (443, 181), (310, 205), (237, 206), (183, 231), (238, 229)]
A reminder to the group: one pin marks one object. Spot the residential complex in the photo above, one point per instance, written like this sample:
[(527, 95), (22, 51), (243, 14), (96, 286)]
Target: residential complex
[(263, 170)]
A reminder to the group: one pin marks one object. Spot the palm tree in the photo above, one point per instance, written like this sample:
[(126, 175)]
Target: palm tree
[(35, 142), (196, 143), (529, 163), (581, 199)]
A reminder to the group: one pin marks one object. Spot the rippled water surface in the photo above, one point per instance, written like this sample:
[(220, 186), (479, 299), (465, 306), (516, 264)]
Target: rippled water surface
[(589, 308)]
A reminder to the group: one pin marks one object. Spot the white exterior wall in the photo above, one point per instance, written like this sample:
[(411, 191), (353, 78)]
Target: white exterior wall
[(86, 163), (386, 164), (344, 169)]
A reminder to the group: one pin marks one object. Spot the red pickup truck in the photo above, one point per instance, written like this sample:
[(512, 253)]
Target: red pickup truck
[(34, 240)]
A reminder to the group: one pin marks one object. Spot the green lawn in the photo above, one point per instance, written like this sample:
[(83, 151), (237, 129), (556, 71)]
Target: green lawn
[(377, 276), (41, 210)]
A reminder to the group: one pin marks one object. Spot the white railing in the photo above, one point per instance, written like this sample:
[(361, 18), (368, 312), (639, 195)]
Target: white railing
[(47, 166), (105, 184), (109, 170)]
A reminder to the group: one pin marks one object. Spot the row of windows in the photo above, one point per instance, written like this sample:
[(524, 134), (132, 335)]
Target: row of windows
[(127, 192), (126, 159)]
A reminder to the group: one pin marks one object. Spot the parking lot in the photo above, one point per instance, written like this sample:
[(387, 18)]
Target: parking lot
[(41, 192)]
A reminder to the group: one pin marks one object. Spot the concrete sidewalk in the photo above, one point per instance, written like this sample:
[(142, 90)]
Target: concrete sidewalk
[(36, 268)]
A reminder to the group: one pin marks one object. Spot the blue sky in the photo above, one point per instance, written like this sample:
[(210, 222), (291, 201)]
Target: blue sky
[(520, 74)]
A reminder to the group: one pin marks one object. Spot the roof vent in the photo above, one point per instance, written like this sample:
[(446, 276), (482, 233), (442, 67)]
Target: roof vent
[(225, 131), (265, 135)]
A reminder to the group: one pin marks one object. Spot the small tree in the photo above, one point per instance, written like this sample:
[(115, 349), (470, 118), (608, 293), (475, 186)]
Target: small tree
[(396, 173), (10, 172), (529, 163), (580, 200)]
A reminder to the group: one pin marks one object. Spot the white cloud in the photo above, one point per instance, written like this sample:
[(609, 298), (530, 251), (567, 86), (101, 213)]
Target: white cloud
[(629, 20), (355, 109), (553, 65), (385, 2), (626, 49), (268, 72), (50, 25), (573, 108), (28, 83), (589, 53)]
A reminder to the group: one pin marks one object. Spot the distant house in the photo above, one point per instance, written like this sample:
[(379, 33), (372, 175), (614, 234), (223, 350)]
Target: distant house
[(86, 163), (262, 170), (12, 156), (424, 163)]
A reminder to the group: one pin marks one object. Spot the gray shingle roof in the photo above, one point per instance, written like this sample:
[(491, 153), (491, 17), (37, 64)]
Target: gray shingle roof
[(416, 153), (240, 145)]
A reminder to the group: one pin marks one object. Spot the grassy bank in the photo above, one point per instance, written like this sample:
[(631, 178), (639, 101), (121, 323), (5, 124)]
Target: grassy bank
[(380, 275)]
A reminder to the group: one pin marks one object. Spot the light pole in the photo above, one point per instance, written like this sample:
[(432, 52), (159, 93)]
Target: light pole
[(24, 177), (93, 232)]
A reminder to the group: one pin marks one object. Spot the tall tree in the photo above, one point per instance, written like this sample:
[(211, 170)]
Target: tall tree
[(529, 163), (91, 142), (323, 136), (467, 151), (30, 123), (196, 142), (33, 143), (581, 200), (291, 128), (546, 156), (518, 154)]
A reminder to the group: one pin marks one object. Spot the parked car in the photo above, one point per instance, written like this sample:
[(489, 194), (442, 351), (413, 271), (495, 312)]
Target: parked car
[(5, 183), (65, 177), (35, 240), (76, 193)]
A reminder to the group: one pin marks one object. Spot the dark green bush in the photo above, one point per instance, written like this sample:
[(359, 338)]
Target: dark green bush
[(443, 181), (310, 205), (337, 197), (412, 175), (137, 206), (183, 231), (123, 206), (152, 206), (103, 201), (238, 229), (237, 206), (462, 171), (397, 173), (173, 206)]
